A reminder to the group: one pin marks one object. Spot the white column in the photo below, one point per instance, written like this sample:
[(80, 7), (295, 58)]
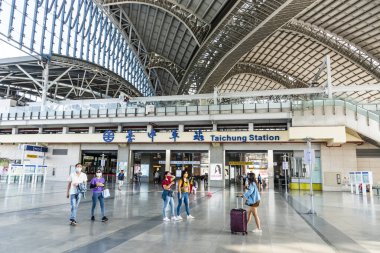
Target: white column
[(119, 128), (40, 130), (167, 160), (270, 170), (149, 128), (181, 128), (329, 79), (250, 126), (91, 129), (215, 127), (14, 130), (65, 130), (45, 74)]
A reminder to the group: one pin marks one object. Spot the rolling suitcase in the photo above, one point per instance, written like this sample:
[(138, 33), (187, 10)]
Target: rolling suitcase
[(238, 217)]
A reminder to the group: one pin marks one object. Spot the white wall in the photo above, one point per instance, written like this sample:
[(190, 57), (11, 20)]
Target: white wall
[(337, 160), (61, 163), (370, 163)]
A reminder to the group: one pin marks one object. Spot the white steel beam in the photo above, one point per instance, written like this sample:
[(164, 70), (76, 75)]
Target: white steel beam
[(261, 93)]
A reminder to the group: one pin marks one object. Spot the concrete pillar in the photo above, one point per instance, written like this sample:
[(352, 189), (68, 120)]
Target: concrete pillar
[(14, 130), (250, 126), (65, 130), (40, 130), (214, 127), (289, 124), (216, 157), (124, 161), (91, 129), (45, 74), (181, 128), (270, 170), (167, 160), (119, 128), (149, 128)]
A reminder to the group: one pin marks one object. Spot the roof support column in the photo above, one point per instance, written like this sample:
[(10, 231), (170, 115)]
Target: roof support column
[(329, 79), (45, 74)]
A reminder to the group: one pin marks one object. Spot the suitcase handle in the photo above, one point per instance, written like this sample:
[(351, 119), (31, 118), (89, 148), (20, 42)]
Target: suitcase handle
[(237, 201)]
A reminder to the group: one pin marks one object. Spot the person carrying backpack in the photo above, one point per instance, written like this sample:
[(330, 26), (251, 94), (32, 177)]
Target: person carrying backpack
[(120, 178)]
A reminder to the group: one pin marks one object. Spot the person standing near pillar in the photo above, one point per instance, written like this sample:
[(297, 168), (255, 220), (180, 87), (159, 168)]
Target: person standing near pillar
[(183, 194)]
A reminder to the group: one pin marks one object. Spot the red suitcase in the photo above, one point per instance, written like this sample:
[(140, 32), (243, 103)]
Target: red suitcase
[(238, 218)]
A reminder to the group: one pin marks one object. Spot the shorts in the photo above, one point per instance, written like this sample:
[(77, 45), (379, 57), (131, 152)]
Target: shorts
[(255, 204)]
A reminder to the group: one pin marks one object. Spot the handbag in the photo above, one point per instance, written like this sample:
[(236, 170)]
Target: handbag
[(170, 193), (106, 193), (82, 188)]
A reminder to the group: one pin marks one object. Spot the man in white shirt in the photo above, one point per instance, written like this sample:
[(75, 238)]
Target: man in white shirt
[(73, 193)]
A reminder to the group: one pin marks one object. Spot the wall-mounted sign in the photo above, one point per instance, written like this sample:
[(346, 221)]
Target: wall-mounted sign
[(240, 163), (36, 148), (197, 136), (216, 171), (180, 162), (108, 136)]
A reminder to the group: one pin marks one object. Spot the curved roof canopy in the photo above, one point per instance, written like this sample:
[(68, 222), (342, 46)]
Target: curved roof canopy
[(258, 44)]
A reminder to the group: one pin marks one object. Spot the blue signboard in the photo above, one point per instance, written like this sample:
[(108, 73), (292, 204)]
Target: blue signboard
[(36, 148), (108, 136)]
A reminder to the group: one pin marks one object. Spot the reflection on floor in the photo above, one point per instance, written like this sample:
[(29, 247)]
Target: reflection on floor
[(35, 219)]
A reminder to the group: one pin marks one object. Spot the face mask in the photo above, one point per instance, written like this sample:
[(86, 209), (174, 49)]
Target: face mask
[(77, 169), (98, 174)]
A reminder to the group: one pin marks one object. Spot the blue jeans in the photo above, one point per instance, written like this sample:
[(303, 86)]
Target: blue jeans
[(185, 197), (169, 200), (74, 202), (95, 197)]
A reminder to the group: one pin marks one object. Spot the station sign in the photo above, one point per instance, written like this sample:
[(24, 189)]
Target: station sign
[(36, 148), (240, 163)]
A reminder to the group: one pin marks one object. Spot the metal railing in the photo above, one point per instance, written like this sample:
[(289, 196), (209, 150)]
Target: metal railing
[(23, 113)]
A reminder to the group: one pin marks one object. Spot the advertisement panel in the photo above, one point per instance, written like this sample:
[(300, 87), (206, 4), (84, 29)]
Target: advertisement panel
[(216, 171)]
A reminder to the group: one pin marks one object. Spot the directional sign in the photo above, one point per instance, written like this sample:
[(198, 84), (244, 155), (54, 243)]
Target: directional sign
[(309, 156), (285, 165)]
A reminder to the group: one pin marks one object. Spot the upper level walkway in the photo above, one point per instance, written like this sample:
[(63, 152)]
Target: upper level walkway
[(36, 220)]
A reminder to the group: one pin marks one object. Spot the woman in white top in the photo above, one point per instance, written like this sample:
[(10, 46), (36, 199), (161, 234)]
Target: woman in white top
[(76, 179)]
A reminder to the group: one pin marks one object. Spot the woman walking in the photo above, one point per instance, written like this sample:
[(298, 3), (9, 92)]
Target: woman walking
[(253, 201), (97, 186), (183, 194), (167, 196)]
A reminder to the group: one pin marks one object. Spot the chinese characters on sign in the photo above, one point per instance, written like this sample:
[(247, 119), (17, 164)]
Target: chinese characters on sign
[(198, 135), (152, 134), (174, 135), (130, 136)]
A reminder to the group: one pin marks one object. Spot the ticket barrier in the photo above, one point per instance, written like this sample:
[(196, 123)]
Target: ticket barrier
[(26, 173)]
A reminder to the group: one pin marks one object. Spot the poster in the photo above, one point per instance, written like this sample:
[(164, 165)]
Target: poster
[(145, 170), (216, 171)]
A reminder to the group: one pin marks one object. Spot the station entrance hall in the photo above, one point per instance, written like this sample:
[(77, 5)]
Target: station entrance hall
[(190, 126)]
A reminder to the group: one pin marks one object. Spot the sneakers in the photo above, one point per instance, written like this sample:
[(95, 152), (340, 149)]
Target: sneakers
[(190, 217), (174, 218), (93, 218), (256, 230), (104, 219), (179, 217), (73, 222), (166, 219)]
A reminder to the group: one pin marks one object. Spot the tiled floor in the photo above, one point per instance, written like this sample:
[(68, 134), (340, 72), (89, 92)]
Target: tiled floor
[(35, 219)]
